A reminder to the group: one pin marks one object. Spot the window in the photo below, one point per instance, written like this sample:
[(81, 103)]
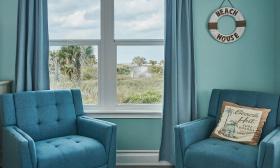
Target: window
[(74, 32), (111, 49)]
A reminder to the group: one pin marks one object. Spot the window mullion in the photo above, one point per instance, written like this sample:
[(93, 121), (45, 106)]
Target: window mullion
[(108, 61), (66, 42), (140, 42)]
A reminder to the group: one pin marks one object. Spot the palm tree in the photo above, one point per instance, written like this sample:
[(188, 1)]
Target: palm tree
[(69, 58), (88, 56)]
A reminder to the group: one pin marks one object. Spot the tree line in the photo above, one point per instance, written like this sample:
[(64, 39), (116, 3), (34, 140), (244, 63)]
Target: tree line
[(68, 60)]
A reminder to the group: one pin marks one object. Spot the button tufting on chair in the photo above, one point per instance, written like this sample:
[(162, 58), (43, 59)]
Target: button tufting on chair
[(236, 148), (55, 131)]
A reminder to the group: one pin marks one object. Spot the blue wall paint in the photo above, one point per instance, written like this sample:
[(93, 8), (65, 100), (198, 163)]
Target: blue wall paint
[(246, 64), (277, 46), (8, 19), (138, 134)]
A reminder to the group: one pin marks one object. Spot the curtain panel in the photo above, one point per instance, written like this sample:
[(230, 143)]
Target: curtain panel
[(32, 72), (179, 76)]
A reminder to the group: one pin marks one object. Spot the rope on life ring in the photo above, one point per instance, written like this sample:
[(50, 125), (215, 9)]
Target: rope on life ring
[(240, 24)]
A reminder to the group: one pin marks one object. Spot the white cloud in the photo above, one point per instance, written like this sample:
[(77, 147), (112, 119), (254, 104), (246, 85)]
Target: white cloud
[(75, 20), (81, 19), (137, 7), (153, 22), (140, 18)]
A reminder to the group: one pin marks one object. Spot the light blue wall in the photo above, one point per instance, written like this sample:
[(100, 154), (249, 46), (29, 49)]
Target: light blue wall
[(247, 64), (8, 16), (138, 134), (277, 46), (250, 63)]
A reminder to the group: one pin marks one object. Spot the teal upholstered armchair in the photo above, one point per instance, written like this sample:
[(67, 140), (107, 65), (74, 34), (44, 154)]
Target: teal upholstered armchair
[(48, 129), (194, 148)]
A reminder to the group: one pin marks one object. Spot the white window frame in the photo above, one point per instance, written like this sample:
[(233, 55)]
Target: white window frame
[(107, 105)]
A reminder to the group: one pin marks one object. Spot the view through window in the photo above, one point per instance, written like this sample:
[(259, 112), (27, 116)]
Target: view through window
[(78, 49), (140, 74), (75, 66)]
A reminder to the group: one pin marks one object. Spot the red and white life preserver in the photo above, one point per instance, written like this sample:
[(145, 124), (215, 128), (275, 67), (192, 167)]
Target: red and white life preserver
[(240, 24)]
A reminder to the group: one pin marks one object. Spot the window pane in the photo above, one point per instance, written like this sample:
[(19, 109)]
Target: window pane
[(72, 19), (75, 67), (140, 74), (139, 19)]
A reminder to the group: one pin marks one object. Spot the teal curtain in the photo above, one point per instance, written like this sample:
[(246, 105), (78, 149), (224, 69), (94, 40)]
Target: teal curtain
[(179, 76), (32, 71)]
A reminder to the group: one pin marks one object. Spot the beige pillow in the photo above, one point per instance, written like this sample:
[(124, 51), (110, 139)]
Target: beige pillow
[(240, 123)]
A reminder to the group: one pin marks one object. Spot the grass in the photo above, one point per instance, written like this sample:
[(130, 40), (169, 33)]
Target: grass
[(140, 90), (89, 88), (129, 90)]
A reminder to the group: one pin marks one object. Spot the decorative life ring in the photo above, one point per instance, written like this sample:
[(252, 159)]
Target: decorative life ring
[(240, 24)]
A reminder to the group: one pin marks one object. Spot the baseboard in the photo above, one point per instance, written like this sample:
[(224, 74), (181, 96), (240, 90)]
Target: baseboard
[(140, 158)]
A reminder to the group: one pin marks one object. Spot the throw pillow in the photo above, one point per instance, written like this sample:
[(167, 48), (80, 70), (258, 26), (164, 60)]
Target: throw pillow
[(240, 123)]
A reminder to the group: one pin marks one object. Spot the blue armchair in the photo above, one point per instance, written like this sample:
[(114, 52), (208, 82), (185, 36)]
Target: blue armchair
[(194, 148), (48, 129)]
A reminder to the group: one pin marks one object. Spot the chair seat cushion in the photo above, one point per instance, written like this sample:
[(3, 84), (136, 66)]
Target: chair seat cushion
[(70, 151), (218, 153)]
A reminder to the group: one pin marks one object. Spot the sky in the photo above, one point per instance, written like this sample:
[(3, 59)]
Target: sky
[(134, 19), (72, 19)]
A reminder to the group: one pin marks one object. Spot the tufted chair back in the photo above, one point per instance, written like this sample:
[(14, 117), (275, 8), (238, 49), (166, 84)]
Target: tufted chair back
[(42, 114), (247, 98)]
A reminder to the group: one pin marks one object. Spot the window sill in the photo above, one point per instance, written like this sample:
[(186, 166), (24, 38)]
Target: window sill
[(138, 111)]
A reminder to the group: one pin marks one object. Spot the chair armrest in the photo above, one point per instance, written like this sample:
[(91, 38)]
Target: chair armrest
[(269, 150), (104, 132), (18, 149), (189, 133)]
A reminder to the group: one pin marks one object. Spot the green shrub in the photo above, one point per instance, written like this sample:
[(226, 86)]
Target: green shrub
[(149, 97), (156, 69), (123, 70)]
